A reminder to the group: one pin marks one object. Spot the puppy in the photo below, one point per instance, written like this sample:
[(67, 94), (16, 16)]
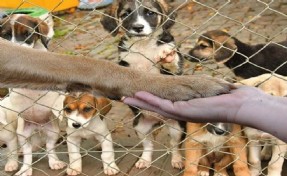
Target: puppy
[(221, 144), (29, 107), (85, 114), (26, 31), (148, 46), (8, 135), (244, 60), (274, 148)]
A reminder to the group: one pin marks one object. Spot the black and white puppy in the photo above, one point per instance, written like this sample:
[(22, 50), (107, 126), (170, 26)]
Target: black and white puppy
[(245, 60), (147, 45)]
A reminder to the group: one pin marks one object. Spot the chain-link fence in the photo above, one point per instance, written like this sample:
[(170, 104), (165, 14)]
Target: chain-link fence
[(56, 133)]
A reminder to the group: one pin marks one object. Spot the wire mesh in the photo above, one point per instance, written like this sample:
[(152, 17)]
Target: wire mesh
[(33, 119)]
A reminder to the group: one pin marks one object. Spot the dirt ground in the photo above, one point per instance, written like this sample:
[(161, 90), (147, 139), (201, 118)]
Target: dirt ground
[(80, 33)]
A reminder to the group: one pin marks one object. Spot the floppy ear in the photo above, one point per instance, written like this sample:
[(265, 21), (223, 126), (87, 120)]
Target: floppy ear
[(104, 105), (110, 18), (43, 30), (169, 15), (224, 48), (3, 118), (58, 107)]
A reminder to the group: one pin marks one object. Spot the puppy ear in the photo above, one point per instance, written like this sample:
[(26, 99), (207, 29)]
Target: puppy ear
[(169, 15), (110, 18), (3, 117), (58, 107), (43, 30), (224, 48), (104, 105)]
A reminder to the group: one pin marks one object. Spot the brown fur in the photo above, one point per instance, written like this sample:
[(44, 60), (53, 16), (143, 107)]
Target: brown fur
[(25, 67), (198, 160), (87, 104)]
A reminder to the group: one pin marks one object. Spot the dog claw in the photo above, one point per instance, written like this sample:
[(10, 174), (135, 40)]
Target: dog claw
[(57, 164), (74, 171), (143, 164), (203, 173)]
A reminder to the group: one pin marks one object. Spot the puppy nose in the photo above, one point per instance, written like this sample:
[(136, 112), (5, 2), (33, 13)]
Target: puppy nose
[(219, 131), (138, 27), (76, 125)]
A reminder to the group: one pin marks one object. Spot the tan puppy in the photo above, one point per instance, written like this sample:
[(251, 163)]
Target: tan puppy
[(274, 85), (221, 144), (85, 116)]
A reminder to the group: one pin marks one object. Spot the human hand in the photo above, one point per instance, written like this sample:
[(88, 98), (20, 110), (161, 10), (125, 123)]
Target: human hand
[(222, 108)]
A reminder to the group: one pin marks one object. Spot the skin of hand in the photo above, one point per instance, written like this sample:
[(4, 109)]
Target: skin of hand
[(245, 105)]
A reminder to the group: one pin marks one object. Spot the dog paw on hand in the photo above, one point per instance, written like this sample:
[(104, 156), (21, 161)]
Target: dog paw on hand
[(111, 170), (25, 171), (74, 171), (143, 164), (180, 88), (11, 165), (57, 164)]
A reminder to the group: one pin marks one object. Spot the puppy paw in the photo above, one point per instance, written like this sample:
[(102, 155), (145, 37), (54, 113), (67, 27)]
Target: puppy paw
[(74, 171), (57, 164), (111, 169), (11, 165), (166, 54), (143, 164), (177, 162), (204, 173), (25, 171)]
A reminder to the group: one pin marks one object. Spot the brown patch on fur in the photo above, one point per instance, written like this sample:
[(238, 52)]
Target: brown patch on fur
[(87, 104), (196, 152)]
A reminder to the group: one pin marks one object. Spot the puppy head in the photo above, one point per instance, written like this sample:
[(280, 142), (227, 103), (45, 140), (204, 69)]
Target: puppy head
[(80, 108), (24, 30), (216, 44), (219, 129), (138, 17)]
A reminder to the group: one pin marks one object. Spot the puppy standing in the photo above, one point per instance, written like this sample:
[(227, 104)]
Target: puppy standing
[(244, 60), (33, 106), (147, 46), (85, 115), (221, 144), (275, 85)]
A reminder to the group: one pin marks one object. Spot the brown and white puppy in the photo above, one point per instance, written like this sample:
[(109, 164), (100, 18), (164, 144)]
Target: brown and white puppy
[(244, 60), (30, 107), (274, 148), (26, 31), (221, 144), (86, 119), (148, 46)]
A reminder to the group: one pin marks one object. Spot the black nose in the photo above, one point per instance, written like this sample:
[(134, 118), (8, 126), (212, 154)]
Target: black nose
[(219, 131), (76, 125), (138, 27)]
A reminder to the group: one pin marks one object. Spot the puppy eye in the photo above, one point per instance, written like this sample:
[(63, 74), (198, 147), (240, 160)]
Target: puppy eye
[(87, 109), (150, 13), (124, 15), (27, 34), (203, 46), (68, 110)]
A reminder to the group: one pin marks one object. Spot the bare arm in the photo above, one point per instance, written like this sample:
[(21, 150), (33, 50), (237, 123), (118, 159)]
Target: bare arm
[(246, 106), (24, 67)]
